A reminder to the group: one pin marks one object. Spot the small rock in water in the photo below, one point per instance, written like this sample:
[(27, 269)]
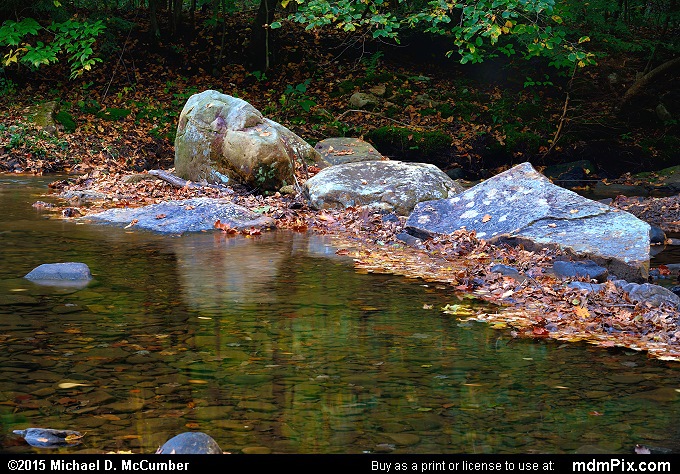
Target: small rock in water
[(63, 274), (190, 443), (49, 438)]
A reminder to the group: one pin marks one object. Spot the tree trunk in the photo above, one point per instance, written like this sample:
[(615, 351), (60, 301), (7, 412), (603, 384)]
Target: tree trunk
[(641, 84), (260, 47), (153, 20), (177, 17)]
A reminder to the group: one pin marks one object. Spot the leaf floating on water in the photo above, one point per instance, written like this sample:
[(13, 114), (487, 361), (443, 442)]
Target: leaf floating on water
[(72, 385), (73, 438), (132, 222), (197, 381), (486, 218), (427, 306), (458, 310)]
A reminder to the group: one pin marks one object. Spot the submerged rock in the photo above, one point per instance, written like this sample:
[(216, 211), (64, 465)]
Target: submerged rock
[(49, 438), (521, 206), (190, 443), (189, 215), (60, 274)]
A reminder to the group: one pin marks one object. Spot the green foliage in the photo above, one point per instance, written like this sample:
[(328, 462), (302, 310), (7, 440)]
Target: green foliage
[(478, 30), (66, 120), (372, 64), (7, 87), (349, 15), (409, 142), (535, 83), (259, 75), (295, 99), (30, 141), (70, 38)]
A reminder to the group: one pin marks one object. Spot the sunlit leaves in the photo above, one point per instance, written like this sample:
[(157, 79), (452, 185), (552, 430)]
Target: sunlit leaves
[(72, 38)]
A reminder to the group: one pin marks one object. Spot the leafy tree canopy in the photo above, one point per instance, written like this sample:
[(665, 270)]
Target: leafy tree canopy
[(478, 30), (28, 43)]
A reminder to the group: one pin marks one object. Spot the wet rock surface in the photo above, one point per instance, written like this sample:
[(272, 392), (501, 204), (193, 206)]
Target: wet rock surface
[(190, 443), (190, 215)]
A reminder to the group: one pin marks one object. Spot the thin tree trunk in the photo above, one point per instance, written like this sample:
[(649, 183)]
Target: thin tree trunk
[(153, 20), (260, 47)]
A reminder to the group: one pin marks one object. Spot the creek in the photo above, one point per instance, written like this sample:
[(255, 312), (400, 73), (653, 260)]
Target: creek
[(276, 344)]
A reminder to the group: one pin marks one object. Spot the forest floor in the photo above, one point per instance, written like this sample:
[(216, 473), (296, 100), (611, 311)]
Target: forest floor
[(121, 120)]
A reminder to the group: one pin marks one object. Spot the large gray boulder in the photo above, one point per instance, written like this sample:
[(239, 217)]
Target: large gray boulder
[(390, 186), (189, 215), (222, 138), (522, 206)]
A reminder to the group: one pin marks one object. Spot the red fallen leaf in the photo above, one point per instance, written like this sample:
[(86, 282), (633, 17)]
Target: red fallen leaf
[(224, 227), (664, 270), (161, 216), (595, 413), (342, 252), (67, 401), (540, 332), (253, 231)]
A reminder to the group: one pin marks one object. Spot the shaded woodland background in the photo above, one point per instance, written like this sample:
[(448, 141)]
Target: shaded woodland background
[(473, 87)]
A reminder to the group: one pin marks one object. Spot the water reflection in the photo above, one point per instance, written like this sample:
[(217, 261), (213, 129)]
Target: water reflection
[(275, 344)]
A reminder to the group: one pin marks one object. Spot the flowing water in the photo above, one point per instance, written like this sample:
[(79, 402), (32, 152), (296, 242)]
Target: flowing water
[(276, 344)]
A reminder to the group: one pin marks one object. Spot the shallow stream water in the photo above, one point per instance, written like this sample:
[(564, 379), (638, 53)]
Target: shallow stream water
[(275, 344)]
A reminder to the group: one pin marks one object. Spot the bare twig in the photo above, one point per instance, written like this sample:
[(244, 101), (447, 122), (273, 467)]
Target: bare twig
[(374, 113)]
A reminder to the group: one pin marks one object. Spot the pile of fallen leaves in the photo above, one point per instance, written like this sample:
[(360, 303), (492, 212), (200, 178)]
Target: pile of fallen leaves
[(664, 212), (536, 305)]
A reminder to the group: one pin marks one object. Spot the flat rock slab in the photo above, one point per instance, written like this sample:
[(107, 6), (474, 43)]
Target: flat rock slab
[(522, 206), (340, 150), (389, 186), (60, 274), (189, 215)]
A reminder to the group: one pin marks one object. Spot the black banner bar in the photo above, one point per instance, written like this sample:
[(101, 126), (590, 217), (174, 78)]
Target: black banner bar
[(349, 464)]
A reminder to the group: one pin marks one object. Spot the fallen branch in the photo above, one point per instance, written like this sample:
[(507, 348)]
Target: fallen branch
[(183, 183), (645, 80)]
